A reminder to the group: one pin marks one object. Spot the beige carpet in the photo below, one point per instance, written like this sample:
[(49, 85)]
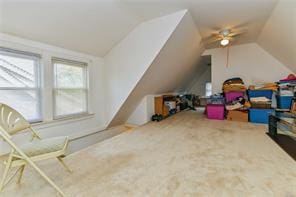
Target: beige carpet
[(184, 155)]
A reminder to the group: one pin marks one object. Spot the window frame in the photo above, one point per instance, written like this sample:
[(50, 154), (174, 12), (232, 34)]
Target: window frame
[(69, 62), (37, 68), (206, 88)]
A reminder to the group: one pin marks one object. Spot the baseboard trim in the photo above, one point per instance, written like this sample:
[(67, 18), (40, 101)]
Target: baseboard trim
[(87, 133), (75, 136)]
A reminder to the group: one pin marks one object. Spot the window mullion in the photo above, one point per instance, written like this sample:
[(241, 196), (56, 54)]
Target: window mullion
[(47, 78)]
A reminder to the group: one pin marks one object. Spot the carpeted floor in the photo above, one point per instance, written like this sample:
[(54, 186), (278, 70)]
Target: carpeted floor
[(184, 155)]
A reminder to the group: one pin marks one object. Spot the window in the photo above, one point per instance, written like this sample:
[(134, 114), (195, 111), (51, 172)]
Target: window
[(70, 88), (208, 89), (19, 82)]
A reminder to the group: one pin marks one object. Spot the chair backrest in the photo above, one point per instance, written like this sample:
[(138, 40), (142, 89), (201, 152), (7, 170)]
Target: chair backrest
[(11, 120)]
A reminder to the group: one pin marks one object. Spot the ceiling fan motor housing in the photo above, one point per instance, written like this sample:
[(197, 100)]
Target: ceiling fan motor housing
[(225, 32)]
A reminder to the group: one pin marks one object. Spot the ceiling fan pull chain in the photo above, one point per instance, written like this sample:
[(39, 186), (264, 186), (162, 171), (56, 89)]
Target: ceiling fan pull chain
[(227, 58)]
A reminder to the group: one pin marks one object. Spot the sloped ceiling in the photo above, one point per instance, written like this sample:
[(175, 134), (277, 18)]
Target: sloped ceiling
[(278, 37), (213, 15), (95, 26), (127, 62), (173, 65), (87, 26)]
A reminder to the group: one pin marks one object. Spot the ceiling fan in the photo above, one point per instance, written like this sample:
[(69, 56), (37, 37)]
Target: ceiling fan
[(224, 36)]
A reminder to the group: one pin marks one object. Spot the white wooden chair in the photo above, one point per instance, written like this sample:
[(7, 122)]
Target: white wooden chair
[(12, 122)]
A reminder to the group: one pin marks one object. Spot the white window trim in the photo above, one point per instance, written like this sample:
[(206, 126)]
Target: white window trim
[(64, 121), (206, 89), (37, 59), (86, 81)]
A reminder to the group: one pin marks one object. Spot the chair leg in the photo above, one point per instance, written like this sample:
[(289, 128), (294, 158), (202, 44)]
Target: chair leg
[(22, 168), (64, 164), (30, 162), (7, 167), (45, 176)]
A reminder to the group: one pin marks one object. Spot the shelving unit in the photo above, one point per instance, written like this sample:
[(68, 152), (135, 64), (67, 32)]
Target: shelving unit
[(159, 105)]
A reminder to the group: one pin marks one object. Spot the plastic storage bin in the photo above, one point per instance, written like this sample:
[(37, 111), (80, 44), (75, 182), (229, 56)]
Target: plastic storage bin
[(284, 102), (260, 93), (215, 111), (216, 101), (261, 105), (260, 115), (230, 96)]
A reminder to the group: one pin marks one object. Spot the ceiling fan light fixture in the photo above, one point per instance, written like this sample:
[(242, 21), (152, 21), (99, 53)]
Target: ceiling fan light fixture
[(224, 42), (225, 32)]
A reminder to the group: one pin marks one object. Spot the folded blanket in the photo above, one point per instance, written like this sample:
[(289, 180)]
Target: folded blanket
[(259, 99), (234, 107), (233, 80), (265, 86), (236, 87)]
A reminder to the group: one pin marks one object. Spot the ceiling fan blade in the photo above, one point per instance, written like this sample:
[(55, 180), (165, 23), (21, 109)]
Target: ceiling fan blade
[(212, 37), (216, 34), (213, 40), (241, 25), (234, 33)]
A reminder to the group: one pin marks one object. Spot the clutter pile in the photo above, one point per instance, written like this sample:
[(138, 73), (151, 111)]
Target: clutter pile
[(261, 105), (190, 100), (172, 106), (290, 79), (234, 85), (168, 105), (236, 104), (216, 99), (286, 92), (260, 101), (237, 110)]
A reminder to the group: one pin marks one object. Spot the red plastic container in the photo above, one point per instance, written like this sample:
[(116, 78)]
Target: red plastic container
[(230, 96), (215, 111)]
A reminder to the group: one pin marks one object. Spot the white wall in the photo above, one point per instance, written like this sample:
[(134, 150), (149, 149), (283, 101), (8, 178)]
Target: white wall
[(278, 36), (176, 63), (139, 116), (200, 77), (127, 62), (76, 127), (248, 61), (199, 87), (144, 111)]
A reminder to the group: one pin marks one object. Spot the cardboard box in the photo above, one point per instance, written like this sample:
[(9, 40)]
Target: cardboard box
[(237, 115)]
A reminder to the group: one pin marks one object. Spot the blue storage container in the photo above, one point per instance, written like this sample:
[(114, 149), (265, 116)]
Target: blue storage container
[(260, 115), (260, 93), (284, 102)]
